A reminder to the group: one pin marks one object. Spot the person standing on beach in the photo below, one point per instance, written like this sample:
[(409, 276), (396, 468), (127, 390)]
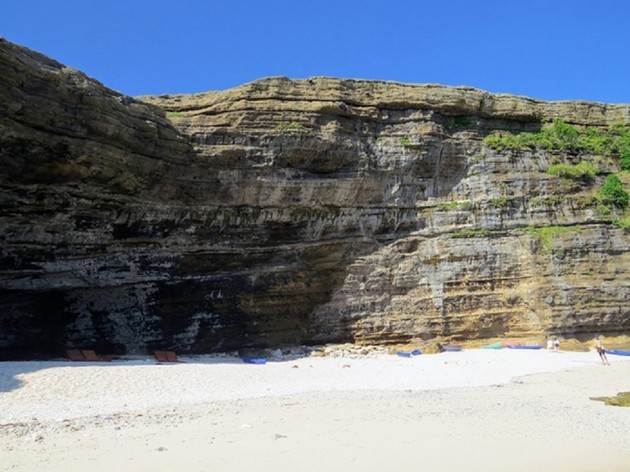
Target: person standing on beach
[(599, 347)]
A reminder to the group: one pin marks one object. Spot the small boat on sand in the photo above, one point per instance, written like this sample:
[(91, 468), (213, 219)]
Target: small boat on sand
[(451, 348), (254, 360), (523, 346), (415, 352)]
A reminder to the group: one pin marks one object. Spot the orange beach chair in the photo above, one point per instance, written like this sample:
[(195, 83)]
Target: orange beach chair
[(86, 355), (165, 356)]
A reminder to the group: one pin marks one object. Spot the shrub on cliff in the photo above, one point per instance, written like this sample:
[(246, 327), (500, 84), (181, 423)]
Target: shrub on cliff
[(623, 223), (622, 133), (625, 158), (613, 193), (547, 234), (561, 136), (581, 171)]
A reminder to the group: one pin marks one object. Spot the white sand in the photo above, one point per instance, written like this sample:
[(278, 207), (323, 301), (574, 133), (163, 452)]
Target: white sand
[(476, 410)]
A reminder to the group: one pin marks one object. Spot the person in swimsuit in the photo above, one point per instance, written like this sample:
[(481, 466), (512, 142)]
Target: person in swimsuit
[(599, 347)]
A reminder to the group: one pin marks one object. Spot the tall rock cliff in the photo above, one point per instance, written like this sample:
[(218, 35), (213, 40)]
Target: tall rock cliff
[(291, 212)]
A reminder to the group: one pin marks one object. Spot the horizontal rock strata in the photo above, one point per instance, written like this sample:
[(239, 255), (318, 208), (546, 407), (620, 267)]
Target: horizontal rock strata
[(289, 212)]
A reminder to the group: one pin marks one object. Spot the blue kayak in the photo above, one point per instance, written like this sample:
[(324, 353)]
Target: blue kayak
[(415, 352), (618, 352), (254, 360), (524, 346)]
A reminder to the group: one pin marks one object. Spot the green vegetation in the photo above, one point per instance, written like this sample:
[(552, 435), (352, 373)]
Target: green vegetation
[(447, 206), (500, 202), (292, 126), (405, 142), (471, 233), (584, 201), (551, 200), (547, 234), (622, 134), (607, 145), (463, 205), (613, 194), (604, 211), (561, 136), (621, 399), (505, 142), (623, 223), (174, 114), (581, 171)]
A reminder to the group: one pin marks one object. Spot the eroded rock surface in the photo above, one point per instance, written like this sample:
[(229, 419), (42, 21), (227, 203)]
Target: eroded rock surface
[(289, 212)]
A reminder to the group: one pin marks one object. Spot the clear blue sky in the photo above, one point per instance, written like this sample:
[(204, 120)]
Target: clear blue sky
[(547, 49)]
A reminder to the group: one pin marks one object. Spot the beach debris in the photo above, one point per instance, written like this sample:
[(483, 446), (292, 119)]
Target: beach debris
[(276, 354), (349, 350)]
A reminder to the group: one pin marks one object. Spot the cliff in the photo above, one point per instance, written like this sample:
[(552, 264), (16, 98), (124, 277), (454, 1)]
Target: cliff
[(289, 212)]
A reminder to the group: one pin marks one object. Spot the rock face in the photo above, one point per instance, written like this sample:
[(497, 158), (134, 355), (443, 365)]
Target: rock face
[(289, 212)]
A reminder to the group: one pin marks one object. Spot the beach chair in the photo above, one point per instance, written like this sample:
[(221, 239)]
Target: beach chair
[(75, 355), (91, 356), (160, 356), (86, 355), (165, 356)]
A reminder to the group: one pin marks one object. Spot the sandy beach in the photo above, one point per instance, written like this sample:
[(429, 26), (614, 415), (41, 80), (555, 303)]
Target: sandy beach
[(474, 410)]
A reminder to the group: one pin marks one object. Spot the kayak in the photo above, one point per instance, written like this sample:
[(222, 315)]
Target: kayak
[(617, 352), (415, 352), (451, 348), (497, 345), (254, 360), (523, 346)]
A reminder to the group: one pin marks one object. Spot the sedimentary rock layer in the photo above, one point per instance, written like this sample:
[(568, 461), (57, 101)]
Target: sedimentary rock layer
[(288, 212)]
